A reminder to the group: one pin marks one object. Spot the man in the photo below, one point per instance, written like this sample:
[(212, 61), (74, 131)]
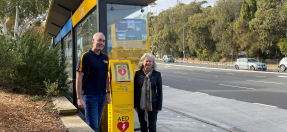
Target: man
[(92, 81)]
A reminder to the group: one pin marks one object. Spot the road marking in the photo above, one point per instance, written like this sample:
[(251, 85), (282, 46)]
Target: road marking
[(230, 73), (216, 76), (262, 82), (190, 70), (177, 72), (188, 79), (260, 76), (266, 105), (165, 86), (201, 93), (184, 73), (237, 87), (283, 76)]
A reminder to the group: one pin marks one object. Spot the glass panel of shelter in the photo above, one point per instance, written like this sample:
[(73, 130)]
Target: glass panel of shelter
[(127, 32), (84, 32), (68, 54)]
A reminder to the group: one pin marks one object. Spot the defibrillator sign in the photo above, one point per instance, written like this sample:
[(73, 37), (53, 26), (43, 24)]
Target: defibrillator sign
[(123, 126), (122, 72)]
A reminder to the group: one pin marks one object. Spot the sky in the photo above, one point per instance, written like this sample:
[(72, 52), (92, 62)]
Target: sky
[(165, 4)]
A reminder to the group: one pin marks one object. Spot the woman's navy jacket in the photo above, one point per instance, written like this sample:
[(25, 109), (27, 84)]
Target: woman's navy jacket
[(156, 86)]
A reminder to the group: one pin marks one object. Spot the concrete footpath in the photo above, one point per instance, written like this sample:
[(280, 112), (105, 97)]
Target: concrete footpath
[(170, 121), (228, 114), (185, 111)]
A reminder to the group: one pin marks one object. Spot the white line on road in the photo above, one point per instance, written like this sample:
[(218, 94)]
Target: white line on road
[(190, 70), (216, 76), (201, 93), (262, 82), (184, 73), (230, 73), (177, 72), (165, 86), (260, 76), (266, 105), (237, 87), (283, 76)]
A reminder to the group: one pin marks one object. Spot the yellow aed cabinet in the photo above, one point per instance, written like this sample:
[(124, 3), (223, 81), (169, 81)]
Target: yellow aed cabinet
[(118, 116)]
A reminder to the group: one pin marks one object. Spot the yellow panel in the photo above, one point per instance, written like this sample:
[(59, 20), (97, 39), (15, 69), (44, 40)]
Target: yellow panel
[(129, 49), (123, 112), (148, 38), (83, 9), (118, 116)]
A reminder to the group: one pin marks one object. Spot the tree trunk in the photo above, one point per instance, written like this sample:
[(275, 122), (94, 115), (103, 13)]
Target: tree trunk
[(16, 21)]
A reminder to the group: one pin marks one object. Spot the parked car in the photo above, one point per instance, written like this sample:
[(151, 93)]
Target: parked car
[(282, 64), (168, 58), (250, 63)]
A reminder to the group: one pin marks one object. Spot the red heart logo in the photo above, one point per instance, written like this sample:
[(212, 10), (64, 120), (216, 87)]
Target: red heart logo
[(122, 71), (123, 126)]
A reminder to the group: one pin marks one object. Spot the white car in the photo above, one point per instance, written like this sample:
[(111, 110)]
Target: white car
[(250, 63), (282, 64)]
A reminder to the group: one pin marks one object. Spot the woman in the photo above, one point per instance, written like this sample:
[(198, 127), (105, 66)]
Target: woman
[(147, 92)]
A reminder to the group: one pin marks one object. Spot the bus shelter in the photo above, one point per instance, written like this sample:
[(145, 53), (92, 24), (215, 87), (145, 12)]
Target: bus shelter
[(72, 23)]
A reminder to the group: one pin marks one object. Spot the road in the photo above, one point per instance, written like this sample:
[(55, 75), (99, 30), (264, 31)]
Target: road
[(254, 87)]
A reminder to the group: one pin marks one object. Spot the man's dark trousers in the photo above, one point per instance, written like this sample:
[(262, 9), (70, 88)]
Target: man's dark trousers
[(94, 109)]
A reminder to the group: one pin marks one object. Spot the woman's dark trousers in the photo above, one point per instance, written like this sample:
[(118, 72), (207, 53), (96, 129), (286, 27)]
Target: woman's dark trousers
[(152, 117)]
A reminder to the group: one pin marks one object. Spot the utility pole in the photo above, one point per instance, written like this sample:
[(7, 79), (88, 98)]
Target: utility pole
[(183, 46), (160, 50)]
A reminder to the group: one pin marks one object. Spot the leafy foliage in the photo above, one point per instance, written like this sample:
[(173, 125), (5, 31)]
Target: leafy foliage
[(227, 29), (26, 61), (21, 14), (283, 46)]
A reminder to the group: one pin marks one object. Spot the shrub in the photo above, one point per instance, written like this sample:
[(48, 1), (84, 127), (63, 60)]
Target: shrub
[(215, 57), (51, 89), (32, 63), (35, 98), (8, 60)]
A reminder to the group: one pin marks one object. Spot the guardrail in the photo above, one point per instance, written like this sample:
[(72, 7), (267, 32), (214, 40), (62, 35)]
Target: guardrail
[(272, 65)]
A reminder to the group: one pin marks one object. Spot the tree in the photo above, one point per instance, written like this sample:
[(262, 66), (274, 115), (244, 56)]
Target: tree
[(244, 39), (226, 12), (283, 46), (267, 24), (248, 10), (24, 13), (199, 32)]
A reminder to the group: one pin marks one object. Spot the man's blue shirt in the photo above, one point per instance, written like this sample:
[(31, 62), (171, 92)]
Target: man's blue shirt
[(95, 69)]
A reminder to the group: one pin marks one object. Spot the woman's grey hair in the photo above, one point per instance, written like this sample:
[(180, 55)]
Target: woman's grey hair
[(154, 66)]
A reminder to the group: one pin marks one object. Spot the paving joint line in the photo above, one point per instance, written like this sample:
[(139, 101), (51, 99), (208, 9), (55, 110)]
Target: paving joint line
[(196, 118)]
